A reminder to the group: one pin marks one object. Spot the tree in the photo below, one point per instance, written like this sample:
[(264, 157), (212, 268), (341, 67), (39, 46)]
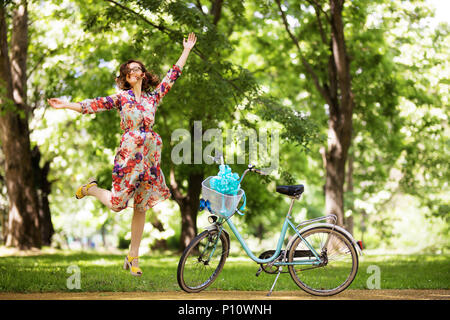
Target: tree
[(245, 58), (335, 87), (23, 221), (208, 76), (212, 89), (385, 142)]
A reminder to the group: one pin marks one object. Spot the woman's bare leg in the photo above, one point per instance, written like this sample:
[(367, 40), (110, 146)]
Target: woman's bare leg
[(137, 222), (137, 228), (103, 195)]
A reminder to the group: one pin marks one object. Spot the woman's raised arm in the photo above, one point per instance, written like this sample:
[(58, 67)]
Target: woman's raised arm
[(188, 45), (173, 74)]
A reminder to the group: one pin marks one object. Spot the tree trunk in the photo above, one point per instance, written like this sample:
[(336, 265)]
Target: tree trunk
[(160, 244), (189, 209), (340, 123), (334, 192), (188, 225), (45, 219), (23, 221), (338, 95), (349, 199), (188, 203), (216, 10), (43, 186)]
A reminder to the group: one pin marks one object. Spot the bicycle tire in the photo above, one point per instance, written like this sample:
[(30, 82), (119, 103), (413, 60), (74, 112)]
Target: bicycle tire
[(325, 280), (195, 274)]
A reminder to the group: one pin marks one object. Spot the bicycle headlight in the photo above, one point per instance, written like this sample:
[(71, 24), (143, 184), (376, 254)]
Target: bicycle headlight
[(212, 219)]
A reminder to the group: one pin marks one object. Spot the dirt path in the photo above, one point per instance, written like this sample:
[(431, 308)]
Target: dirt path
[(234, 295)]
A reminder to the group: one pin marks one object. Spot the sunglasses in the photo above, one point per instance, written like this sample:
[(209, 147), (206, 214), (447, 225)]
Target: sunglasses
[(134, 70)]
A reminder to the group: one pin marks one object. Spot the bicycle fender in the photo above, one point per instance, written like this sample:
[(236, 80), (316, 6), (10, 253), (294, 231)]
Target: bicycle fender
[(332, 226)]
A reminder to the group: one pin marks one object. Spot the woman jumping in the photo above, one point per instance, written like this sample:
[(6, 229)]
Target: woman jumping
[(137, 173)]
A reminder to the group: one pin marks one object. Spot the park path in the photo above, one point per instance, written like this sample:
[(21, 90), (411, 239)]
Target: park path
[(233, 295)]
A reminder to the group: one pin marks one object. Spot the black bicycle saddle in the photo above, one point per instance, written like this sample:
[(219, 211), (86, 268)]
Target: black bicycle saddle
[(294, 191)]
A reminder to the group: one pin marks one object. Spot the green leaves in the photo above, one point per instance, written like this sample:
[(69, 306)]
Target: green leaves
[(298, 128), (246, 72)]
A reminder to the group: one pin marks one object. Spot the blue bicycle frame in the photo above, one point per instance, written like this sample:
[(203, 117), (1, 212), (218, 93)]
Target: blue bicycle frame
[(287, 222)]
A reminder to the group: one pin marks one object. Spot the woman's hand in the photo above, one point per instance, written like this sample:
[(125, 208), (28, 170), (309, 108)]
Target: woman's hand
[(60, 104), (188, 45), (190, 42), (56, 103)]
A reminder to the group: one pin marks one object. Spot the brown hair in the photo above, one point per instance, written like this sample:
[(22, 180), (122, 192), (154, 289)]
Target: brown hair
[(148, 82)]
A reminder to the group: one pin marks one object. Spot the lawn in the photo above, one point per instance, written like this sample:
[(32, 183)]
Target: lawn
[(48, 272)]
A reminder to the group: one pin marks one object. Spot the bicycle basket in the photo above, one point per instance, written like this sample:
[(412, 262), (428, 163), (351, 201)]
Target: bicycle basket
[(222, 205)]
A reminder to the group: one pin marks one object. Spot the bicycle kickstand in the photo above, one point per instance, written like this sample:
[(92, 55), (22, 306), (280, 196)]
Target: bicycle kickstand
[(276, 279), (259, 271)]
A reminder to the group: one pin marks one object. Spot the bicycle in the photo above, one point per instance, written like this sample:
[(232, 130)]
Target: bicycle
[(322, 258)]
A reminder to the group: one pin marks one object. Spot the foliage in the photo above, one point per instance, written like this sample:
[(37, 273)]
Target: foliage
[(399, 120), (246, 73)]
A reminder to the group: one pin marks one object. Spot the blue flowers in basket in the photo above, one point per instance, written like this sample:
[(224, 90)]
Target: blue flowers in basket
[(223, 193), (225, 182)]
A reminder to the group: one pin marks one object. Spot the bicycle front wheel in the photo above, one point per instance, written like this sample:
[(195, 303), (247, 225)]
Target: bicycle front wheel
[(202, 261), (338, 267)]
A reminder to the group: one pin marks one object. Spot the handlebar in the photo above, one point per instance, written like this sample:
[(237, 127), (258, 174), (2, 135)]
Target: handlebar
[(252, 168)]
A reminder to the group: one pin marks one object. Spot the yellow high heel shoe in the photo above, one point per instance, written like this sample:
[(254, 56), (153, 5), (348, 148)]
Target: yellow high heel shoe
[(135, 271), (82, 190)]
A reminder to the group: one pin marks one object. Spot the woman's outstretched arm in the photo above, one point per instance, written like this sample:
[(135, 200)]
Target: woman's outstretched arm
[(89, 105), (60, 104), (188, 45)]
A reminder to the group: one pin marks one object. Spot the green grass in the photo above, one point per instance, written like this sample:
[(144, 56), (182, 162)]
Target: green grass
[(103, 272)]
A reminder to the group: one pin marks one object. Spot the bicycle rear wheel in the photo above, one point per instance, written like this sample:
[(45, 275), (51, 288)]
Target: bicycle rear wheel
[(339, 262), (202, 261)]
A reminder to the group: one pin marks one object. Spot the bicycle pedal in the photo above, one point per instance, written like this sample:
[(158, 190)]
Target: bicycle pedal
[(259, 271)]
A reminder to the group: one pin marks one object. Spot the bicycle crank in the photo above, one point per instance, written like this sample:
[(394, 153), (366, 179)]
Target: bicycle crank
[(269, 267)]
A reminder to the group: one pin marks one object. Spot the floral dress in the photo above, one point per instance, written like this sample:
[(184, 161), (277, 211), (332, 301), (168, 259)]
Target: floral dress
[(137, 165)]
